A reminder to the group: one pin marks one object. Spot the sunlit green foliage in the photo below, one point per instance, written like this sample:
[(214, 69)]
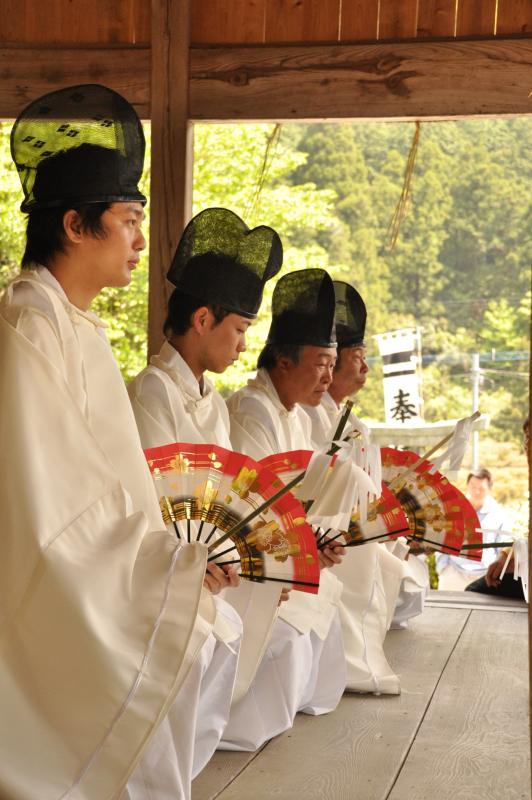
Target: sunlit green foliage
[(460, 269)]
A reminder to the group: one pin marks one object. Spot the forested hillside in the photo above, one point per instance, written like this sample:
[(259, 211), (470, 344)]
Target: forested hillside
[(461, 268)]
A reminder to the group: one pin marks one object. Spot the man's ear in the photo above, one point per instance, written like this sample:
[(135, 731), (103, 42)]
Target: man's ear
[(200, 319), (72, 226), (284, 364)]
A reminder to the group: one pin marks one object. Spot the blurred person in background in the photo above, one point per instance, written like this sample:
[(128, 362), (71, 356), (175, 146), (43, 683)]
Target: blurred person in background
[(456, 572), (492, 583)]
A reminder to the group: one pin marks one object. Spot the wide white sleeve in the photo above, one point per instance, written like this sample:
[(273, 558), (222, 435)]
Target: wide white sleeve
[(36, 326), (252, 429), (153, 409), (98, 613)]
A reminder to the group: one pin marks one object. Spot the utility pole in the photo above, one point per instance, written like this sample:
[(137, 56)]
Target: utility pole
[(475, 382)]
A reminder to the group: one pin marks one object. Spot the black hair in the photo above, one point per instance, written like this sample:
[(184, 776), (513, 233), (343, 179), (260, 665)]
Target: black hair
[(271, 353), (482, 474), (45, 234), (181, 306), (339, 349)]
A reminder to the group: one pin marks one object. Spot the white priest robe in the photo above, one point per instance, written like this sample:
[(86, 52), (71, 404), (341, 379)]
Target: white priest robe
[(322, 417), (104, 618), (169, 407), (409, 596), (310, 642)]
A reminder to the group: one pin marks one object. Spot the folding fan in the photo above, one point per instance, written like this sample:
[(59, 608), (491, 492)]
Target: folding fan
[(438, 513), (386, 518), (293, 463), (213, 495)]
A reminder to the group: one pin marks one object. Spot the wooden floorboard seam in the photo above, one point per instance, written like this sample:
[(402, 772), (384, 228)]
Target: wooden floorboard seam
[(407, 753), (245, 766)]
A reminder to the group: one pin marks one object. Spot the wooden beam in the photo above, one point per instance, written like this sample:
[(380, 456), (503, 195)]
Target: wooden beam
[(171, 151), (403, 80), (29, 72)]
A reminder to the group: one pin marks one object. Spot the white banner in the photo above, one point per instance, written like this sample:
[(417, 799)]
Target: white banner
[(400, 351)]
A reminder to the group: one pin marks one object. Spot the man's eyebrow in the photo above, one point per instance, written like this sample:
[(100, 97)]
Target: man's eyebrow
[(136, 211)]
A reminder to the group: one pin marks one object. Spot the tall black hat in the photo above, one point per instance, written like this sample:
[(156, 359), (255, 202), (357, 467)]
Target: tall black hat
[(303, 309), (83, 144), (350, 315), (220, 261)]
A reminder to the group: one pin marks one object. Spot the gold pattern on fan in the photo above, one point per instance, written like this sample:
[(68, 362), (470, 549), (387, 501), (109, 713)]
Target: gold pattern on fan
[(251, 566), (268, 537), (214, 459), (180, 464), (292, 522), (167, 510), (243, 483), (206, 493), (354, 532), (190, 508)]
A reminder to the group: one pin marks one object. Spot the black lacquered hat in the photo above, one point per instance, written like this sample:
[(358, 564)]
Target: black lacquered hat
[(350, 315), (83, 144), (220, 261), (303, 305)]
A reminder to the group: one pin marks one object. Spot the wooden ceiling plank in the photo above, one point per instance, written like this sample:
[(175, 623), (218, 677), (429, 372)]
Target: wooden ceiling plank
[(230, 22), (435, 18), (400, 80), (397, 19), (142, 22), (475, 17), (358, 20), (514, 16), (302, 21), (75, 22)]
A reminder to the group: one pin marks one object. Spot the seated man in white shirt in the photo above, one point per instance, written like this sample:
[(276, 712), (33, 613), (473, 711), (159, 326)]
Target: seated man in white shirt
[(267, 417), (491, 582), (455, 572)]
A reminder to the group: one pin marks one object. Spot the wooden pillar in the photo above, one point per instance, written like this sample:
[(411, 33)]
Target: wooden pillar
[(171, 150)]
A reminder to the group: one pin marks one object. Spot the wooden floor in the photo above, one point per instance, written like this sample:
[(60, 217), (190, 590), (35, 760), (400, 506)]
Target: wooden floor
[(458, 731)]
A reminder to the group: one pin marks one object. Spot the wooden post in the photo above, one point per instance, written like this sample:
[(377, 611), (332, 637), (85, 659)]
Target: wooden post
[(171, 150)]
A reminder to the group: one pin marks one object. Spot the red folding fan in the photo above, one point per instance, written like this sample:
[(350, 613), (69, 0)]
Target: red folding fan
[(386, 518), (439, 515), (213, 495)]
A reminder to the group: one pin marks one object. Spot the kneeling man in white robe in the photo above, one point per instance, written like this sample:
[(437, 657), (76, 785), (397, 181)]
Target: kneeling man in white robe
[(218, 271), (266, 417), (401, 584), (106, 625)]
